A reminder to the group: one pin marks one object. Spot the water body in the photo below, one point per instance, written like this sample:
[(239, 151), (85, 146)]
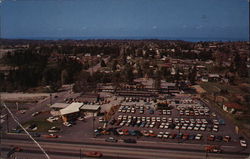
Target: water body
[(189, 39)]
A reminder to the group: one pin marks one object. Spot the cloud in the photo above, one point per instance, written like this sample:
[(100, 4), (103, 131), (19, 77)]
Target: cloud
[(184, 26), (199, 27), (84, 28), (154, 27), (59, 29)]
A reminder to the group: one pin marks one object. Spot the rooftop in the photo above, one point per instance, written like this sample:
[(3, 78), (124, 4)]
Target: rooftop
[(59, 105), (72, 108), (90, 107)]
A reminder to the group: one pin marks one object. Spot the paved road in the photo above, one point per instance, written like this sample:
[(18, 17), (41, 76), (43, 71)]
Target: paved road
[(115, 150)]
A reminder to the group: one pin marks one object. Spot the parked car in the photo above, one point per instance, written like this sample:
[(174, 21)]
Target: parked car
[(52, 119), (226, 138), (243, 143), (218, 138), (211, 137), (198, 137), (35, 114), (54, 129), (191, 137), (81, 118), (67, 124), (32, 127), (185, 137)]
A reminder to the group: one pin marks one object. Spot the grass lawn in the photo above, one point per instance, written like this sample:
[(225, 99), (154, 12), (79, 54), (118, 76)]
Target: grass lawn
[(42, 124)]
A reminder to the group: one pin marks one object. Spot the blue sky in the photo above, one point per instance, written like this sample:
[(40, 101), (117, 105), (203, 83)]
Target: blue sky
[(123, 18)]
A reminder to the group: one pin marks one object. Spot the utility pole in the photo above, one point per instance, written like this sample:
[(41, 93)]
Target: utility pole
[(1, 128), (7, 122), (50, 98), (80, 153), (17, 106), (93, 125)]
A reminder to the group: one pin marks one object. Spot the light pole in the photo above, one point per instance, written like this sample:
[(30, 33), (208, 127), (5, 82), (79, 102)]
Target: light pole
[(93, 125), (50, 98), (80, 153)]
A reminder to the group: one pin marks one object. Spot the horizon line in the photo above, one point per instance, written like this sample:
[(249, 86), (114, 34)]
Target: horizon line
[(192, 39)]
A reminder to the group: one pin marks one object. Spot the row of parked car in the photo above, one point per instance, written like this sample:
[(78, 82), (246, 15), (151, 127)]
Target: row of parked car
[(163, 135), (142, 110), (165, 123), (165, 119), (151, 133), (193, 110), (138, 99)]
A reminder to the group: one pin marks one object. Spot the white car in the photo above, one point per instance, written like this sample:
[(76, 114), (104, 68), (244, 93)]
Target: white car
[(198, 137), (160, 135), (166, 126), (80, 118), (35, 114), (215, 129), (196, 128), (216, 126), (243, 143), (161, 126), (67, 124), (52, 119), (190, 128), (203, 128), (184, 127)]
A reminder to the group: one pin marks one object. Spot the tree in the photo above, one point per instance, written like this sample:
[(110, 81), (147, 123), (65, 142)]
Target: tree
[(157, 79), (192, 75), (128, 72), (64, 75), (114, 65), (103, 64)]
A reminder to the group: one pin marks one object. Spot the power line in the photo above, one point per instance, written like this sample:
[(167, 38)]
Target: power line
[(16, 120)]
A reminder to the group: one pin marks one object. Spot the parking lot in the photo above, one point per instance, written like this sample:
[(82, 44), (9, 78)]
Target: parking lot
[(182, 120)]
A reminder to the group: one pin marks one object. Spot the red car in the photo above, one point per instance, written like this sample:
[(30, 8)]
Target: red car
[(92, 154), (211, 138), (50, 136), (185, 136)]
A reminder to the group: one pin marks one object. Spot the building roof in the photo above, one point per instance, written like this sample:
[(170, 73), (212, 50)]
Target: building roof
[(235, 106), (213, 75), (90, 107), (72, 108), (59, 105)]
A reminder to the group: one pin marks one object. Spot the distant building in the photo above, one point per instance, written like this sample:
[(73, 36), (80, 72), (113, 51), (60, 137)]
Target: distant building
[(233, 108), (213, 77)]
